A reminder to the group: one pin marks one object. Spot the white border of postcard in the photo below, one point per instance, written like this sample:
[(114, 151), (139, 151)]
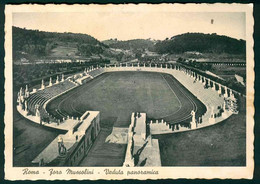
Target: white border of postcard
[(16, 173)]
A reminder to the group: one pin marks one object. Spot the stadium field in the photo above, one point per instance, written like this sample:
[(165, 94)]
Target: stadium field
[(116, 95)]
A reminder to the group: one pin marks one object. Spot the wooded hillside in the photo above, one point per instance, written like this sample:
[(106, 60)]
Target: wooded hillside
[(199, 42), (40, 43)]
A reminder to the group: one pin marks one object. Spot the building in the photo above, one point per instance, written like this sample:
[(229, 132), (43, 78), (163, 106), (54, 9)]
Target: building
[(70, 148)]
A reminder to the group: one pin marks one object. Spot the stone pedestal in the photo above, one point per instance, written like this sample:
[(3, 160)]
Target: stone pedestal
[(212, 120), (193, 125), (224, 114)]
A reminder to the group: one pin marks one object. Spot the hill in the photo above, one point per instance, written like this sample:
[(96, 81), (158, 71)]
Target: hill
[(37, 44), (130, 44), (110, 41), (199, 42)]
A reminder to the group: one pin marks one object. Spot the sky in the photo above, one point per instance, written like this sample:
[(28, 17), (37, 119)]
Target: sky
[(126, 25)]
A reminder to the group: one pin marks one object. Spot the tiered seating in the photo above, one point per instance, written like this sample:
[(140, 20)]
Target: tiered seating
[(42, 96), (208, 96), (96, 72)]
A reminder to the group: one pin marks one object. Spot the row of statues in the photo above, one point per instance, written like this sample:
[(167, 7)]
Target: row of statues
[(50, 83), (211, 83), (194, 123), (144, 65), (86, 70)]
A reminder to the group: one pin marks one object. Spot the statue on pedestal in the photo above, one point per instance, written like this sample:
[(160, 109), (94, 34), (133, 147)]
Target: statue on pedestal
[(26, 107), (219, 90), (212, 116), (26, 88), (37, 111), (212, 112), (50, 83), (21, 91), (18, 97), (61, 148), (193, 120), (62, 77), (43, 86), (57, 80), (226, 92), (225, 111)]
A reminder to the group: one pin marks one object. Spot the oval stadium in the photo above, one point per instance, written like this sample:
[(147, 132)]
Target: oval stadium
[(117, 115)]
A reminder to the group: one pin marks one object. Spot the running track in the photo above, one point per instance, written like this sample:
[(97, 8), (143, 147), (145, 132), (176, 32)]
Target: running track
[(187, 100)]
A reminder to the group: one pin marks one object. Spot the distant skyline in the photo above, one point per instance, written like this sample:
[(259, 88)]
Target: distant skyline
[(127, 25)]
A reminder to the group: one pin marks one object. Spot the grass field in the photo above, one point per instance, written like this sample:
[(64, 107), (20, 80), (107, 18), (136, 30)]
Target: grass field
[(116, 95)]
